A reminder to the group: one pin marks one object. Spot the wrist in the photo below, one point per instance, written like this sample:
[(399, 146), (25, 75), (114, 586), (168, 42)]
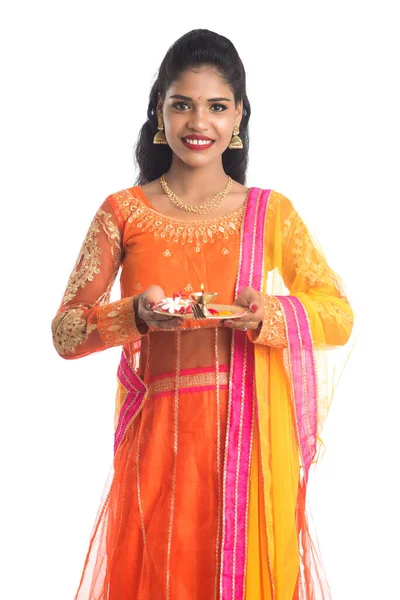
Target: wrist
[(257, 330), (142, 326)]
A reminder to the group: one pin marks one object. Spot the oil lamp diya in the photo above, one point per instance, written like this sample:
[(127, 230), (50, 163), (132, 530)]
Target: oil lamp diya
[(203, 297)]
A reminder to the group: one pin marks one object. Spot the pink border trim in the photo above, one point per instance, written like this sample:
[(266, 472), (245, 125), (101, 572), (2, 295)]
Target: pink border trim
[(189, 371), (303, 375), (240, 422), (134, 400), (311, 373)]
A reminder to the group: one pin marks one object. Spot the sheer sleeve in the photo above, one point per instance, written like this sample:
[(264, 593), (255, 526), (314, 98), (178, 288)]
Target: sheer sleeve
[(307, 275), (272, 331), (86, 321)]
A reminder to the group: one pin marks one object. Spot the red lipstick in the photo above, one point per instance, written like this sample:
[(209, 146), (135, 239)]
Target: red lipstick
[(203, 142)]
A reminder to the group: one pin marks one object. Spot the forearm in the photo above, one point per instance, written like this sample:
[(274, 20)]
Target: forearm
[(79, 330)]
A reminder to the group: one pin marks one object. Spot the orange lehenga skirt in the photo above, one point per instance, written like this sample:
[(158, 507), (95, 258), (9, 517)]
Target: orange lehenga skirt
[(159, 530)]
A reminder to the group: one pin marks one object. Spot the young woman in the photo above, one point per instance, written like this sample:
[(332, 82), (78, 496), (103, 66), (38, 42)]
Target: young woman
[(217, 421)]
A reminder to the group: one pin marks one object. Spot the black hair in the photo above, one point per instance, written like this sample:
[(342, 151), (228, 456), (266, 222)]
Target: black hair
[(199, 47)]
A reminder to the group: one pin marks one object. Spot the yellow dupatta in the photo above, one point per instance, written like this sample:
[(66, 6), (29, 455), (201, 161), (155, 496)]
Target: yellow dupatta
[(282, 560)]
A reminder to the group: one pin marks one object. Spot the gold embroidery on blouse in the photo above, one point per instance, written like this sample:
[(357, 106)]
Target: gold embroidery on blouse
[(273, 200), (332, 310), (287, 224), (167, 253), (69, 330), (116, 322), (175, 230), (310, 264), (138, 286), (88, 263), (273, 330), (188, 288), (224, 251), (114, 238), (124, 202)]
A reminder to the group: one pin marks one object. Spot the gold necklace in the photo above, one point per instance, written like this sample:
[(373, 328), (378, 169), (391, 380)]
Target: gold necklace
[(202, 209)]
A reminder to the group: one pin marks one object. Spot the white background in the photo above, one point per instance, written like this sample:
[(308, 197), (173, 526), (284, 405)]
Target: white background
[(323, 85)]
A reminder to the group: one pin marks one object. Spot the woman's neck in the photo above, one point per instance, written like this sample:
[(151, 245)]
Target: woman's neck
[(187, 181)]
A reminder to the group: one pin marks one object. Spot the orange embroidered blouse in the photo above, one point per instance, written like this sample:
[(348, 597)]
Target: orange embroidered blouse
[(152, 248)]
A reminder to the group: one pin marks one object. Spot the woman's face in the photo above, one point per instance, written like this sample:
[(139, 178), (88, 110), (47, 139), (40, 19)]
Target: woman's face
[(201, 105)]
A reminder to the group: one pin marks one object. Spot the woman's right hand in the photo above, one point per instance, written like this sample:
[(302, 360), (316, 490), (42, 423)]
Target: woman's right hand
[(145, 315)]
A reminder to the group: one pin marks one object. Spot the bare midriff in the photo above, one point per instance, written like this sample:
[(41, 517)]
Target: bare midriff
[(198, 348)]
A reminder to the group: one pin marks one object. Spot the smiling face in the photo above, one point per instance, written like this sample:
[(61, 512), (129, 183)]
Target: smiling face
[(199, 106)]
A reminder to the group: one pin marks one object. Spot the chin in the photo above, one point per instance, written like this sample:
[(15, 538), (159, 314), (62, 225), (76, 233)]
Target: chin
[(196, 158)]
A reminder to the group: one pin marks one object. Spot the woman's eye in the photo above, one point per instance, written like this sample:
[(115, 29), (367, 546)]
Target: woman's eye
[(178, 104), (222, 106)]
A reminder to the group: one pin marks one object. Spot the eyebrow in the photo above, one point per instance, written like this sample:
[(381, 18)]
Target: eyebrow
[(191, 99)]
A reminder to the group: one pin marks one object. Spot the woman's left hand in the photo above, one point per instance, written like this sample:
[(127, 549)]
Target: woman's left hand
[(251, 299)]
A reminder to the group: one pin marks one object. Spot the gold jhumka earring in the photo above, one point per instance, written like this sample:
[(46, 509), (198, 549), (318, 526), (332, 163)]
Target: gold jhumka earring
[(160, 138), (235, 143)]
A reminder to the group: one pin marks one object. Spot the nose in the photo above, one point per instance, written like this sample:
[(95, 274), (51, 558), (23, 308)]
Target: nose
[(198, 120)]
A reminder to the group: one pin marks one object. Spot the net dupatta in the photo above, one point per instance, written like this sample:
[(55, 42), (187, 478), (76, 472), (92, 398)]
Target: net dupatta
[(281, 396), (318, 317)]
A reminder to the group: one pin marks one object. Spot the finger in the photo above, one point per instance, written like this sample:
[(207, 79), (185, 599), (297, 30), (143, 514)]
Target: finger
[(153, 294), (148, 304), (248, 297), (147, 312), (243, 324)]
